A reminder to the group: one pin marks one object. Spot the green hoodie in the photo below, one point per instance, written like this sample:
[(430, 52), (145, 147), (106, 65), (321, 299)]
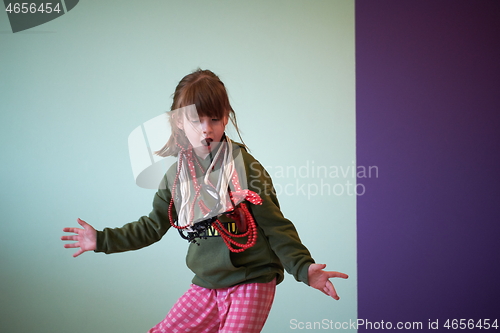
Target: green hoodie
[(278, 244)]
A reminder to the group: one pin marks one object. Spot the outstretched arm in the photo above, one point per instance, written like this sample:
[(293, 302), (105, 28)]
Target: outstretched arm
[(319, 279), (85, 238)]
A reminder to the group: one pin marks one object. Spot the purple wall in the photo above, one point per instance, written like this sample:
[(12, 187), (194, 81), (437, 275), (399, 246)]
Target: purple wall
[(428, 115)]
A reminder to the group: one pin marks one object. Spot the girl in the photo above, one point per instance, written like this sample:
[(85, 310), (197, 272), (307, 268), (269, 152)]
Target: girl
[(222, 201)]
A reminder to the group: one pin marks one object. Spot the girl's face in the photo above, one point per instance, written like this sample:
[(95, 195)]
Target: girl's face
[(204, 133)]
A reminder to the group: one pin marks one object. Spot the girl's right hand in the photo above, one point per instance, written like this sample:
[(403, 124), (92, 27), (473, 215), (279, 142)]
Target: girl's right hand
[(85, 238)]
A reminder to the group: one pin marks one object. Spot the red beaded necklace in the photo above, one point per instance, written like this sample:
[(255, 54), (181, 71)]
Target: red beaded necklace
[(240, 214)]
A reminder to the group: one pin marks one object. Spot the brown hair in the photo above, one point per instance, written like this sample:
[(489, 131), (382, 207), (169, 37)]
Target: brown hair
[(205, 90)]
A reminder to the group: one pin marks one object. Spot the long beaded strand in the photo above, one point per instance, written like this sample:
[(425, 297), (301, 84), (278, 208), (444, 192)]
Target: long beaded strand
[(225, 234)]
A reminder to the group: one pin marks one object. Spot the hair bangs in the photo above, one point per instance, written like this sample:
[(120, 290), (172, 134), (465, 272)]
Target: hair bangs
[(209, 97)]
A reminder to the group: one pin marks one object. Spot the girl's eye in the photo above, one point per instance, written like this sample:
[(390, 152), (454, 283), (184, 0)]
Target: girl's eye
[(215, 119)]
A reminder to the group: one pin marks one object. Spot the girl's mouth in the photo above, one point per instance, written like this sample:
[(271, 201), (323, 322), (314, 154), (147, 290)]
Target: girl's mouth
[(206, 142)]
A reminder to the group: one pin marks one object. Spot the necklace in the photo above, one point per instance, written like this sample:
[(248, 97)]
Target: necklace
[(225, 201)]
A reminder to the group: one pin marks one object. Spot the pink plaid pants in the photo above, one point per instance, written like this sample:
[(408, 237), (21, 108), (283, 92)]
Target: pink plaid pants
[(242, 308)]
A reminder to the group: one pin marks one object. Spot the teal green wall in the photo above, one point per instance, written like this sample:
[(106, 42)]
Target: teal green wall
[(73, 89)]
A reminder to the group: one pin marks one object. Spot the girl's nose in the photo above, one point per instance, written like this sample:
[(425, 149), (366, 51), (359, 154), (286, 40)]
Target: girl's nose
[(206, 127)]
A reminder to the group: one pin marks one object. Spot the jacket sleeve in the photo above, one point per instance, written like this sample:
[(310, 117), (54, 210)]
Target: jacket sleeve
[(280, 232), (135, 235)]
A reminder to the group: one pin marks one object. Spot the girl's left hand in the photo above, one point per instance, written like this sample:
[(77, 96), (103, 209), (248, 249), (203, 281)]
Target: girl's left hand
[(319, 279)]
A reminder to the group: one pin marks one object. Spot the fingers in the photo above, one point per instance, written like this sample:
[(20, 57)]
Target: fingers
[(331, 274), (80, 236), (70, 238), (331, 291), (82, 222), (329, 285), (76, 254), (319, 279), (337, 275), (74, 245), (74, 230), (316, 267), (76, 237)]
